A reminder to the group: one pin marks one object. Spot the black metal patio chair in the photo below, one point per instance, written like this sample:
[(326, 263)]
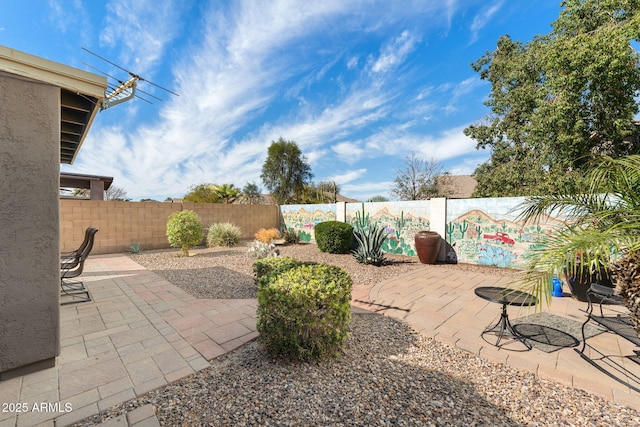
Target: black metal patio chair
[(67, 257), (70, 268)]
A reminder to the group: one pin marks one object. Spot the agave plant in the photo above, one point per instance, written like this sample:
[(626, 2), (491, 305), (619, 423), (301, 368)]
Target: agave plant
[(601, 230), (370, 240), (135, 248)]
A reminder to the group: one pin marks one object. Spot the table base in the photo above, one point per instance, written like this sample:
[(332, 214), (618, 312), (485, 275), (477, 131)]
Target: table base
[(503, 328)]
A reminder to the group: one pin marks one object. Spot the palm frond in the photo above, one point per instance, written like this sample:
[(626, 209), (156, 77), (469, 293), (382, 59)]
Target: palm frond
[(599, 226)]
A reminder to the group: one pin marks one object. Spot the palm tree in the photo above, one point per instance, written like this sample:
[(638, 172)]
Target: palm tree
[(228, 193), (601, 230)]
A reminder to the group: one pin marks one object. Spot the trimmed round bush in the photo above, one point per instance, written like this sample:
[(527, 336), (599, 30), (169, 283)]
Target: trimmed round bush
[(304, 312), (223, 234), (265, 268), (184, 230), (334, 237), (273, 265)]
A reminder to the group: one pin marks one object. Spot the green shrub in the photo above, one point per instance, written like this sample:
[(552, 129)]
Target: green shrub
[(184, 230), (369, 250), (264, 268), (223, 234), (334, 237), (304, 312)]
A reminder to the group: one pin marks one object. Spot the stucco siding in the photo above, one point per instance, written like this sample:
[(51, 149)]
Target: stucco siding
[(29, 254)]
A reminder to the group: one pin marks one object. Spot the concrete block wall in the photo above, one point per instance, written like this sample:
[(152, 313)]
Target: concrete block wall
[(250, 218), (123, 223)]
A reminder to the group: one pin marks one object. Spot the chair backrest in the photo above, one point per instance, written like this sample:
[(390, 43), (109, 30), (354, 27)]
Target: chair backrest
[(89, 246), (75, 267), (67, 257), (88, 233)]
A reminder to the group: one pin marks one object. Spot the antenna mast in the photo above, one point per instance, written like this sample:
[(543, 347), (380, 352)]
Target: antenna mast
[(125, 90), (122, 93)]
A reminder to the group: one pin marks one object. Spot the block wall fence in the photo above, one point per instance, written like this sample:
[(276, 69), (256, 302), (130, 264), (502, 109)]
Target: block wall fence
[(123, 223), (477, 231)]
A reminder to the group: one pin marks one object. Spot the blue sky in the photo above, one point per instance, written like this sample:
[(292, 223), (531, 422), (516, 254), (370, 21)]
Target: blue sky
[(359, 85)]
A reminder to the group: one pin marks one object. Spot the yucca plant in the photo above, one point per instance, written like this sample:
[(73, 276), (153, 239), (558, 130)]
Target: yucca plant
[(602, 226), (370, 240), (223, 234)]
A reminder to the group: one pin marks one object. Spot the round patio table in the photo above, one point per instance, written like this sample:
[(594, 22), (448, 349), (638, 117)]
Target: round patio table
[(505, 296)]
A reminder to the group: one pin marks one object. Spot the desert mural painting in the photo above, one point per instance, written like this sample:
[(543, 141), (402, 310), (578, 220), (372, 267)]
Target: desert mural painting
[(303, 218), (488, 232), (401, 221), (478, 231)]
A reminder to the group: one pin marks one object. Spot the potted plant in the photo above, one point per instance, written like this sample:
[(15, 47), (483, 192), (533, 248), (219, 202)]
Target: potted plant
[(579, 280), (601, 230)]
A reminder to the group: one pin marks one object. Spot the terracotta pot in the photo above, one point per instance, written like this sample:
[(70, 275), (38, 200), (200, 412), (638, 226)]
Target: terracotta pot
[(428, 246)]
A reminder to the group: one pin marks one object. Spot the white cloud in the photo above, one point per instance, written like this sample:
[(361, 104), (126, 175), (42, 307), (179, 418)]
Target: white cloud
[(366, 190), (447, 144), (348, 151), (347, 177), (353, 62), (468, 164), (395, 52), (70, 16), (141, 29), (465, 87), (234, 72), (483, 18)]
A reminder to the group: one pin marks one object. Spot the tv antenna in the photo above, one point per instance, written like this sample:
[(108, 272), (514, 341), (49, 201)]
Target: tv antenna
[(125, 90)]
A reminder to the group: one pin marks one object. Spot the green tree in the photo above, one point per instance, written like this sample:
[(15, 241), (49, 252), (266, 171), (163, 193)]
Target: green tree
[(285, 172), (251, 194), (227, 193), (419, 179), (202, 193), (560, 100)]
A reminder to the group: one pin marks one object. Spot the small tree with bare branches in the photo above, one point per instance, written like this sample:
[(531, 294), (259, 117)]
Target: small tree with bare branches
[(419, 179)]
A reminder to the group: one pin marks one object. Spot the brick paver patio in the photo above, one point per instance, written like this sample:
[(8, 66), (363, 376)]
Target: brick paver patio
[(140, 332)]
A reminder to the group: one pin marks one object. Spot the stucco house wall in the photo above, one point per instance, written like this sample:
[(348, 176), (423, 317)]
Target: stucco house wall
[(29, 260)]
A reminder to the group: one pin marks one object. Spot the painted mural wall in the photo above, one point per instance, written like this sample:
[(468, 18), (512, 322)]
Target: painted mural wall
[(478, 231), (488, 232), (401, 220), (303, 218)]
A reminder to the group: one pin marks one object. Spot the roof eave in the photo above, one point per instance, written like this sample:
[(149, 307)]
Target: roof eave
[(75, 80)]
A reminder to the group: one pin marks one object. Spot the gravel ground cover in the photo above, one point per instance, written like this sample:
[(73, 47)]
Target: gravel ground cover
[(228, 272), (387, 375)]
